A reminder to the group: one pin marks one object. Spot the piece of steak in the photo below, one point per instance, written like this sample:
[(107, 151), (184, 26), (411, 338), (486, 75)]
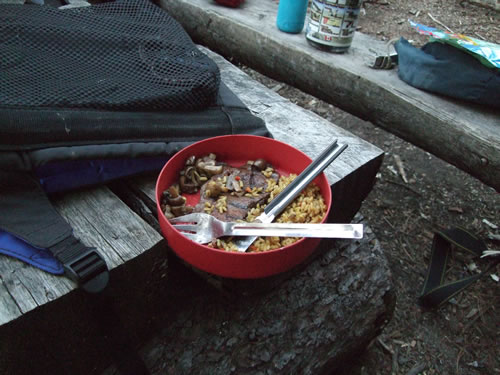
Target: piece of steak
[(237, 204)]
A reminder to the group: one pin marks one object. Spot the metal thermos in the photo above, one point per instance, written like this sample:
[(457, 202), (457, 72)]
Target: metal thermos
[(331, 24), (291, 15)]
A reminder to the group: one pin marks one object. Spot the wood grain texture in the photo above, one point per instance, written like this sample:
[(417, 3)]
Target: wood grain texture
[(493, 4), (351, 175), (294, 125), (465, 135), (100, 220), (48, 317)]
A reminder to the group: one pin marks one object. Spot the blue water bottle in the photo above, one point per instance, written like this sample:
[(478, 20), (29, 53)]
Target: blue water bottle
[(291, 15)]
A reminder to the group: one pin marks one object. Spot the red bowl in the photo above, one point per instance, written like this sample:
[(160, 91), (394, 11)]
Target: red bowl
[(236, 150)]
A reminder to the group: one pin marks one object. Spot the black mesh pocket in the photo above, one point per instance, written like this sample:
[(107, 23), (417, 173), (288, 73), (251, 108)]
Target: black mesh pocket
[(126, 54)]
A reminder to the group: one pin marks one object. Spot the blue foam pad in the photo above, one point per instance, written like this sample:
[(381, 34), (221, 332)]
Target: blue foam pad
[(41, 258)]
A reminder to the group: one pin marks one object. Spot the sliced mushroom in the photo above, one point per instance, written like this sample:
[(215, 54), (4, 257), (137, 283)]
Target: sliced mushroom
[(260, 164), (173, 191), (177, 201), (209, 159), (212, 170), (190, 160), (186, 186), (168, 212), (200, 164), (196, 178), (181, 210), (189, 172)]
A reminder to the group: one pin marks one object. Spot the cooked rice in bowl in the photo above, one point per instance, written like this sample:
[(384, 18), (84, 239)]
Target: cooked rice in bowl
[(308, 207), (236, 150)]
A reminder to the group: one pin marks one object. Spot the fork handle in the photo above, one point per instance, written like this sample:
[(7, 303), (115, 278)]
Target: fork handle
[(296, 230)]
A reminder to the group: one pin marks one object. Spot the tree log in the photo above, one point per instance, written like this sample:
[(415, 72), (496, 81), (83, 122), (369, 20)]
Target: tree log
[(309, 321), (463, 134)]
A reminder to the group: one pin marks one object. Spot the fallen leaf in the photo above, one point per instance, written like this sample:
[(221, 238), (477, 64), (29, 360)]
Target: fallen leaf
[(490, 224), (392, 169), (277, 88), (428, 234), (473, 364), (472, 267), (472, 313), (401, 169), (424, 216)]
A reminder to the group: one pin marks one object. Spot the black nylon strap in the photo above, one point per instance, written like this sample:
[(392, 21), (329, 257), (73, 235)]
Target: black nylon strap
[(27, 213), (435, 291)]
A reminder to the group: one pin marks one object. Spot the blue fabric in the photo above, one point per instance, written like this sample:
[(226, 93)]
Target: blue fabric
[(64, 176), (41, 258), (446, 70)]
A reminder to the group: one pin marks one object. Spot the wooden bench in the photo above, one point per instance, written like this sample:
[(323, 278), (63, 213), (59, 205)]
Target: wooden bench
[(462, 134), (49, 318)]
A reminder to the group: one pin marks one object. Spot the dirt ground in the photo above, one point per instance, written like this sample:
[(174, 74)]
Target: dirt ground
[(463, 336), (388, 19)]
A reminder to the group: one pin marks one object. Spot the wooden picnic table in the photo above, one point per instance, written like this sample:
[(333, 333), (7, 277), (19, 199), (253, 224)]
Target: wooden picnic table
[(46, 322)]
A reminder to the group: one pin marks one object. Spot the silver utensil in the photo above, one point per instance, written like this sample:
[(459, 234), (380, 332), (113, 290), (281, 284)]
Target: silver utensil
[(203, 228), (283, 199)]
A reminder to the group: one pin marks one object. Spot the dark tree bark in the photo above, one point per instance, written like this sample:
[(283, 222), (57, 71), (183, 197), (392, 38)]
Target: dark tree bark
[(309, 321)]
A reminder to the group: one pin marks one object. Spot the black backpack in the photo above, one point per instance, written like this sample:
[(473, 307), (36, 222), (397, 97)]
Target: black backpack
[(89, 95)]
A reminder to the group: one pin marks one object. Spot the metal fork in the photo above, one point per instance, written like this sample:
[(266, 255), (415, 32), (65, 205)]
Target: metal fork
[(278, 204), (203, 228)]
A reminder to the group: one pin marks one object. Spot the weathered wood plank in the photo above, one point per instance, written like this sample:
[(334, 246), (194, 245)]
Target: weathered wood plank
[(465, 135), (352, 174), (31, 287), (10, 309), (28, 287), (120, 231), (100, 220), (63, 335), (294, 125), (493, 4)]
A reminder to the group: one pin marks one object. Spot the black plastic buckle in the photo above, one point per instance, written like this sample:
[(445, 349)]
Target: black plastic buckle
[(89, 270)]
